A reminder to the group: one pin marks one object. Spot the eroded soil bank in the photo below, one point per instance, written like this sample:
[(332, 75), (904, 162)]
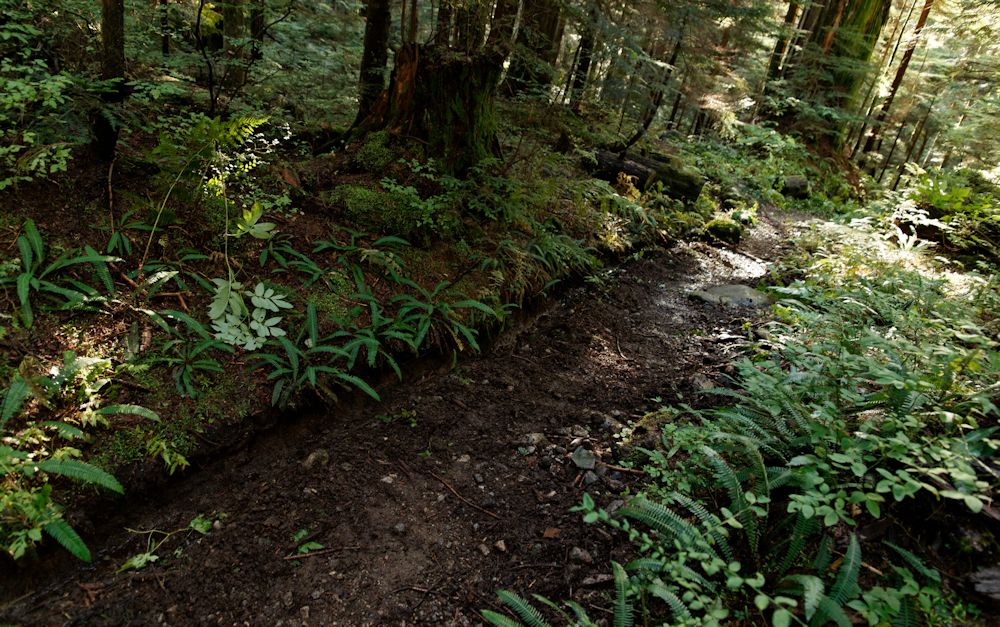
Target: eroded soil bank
[(421, 507)]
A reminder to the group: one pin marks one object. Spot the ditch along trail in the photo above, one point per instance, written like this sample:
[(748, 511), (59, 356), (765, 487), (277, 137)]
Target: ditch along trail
[(458, 484)]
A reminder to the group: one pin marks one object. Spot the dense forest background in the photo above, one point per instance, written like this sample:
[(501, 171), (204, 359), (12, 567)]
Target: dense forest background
[(217, 211)]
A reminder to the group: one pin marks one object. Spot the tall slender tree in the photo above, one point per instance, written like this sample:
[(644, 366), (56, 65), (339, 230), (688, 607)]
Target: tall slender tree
[(112, 70), (898, 79)]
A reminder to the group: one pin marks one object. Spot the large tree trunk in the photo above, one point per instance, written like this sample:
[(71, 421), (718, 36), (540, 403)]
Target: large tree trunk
[(444, 98), (784, 39), (374, 57), (112, 69), (898, 79)]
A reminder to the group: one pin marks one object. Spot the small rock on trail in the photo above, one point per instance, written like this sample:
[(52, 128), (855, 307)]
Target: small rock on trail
[(734, 295)]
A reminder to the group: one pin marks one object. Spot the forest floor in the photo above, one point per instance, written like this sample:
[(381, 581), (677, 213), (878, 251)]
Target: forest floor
[(460, 483)]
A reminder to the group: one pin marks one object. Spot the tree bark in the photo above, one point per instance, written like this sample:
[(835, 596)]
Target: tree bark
[(538, 42), (257, 27), (657, 98), (234, 27), (164, 28), (898, 79), (112, 69), (444, 98), (584, 55), (371, 82), (781, 45), (502, 26)]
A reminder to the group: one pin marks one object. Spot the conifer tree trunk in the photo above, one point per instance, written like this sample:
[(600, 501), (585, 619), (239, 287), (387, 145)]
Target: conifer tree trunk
[(257, 26), (898, 79), (234, 26), (781, 45), (164, 28), (374, 57), (538, 41), (445, 96), (112, 69), (584, 55)]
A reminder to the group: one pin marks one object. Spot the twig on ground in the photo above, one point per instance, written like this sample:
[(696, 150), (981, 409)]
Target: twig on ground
[(462, 498), (631, 471), (321, 552)]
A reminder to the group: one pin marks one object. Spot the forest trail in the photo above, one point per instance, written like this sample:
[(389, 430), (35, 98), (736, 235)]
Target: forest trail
[(458, 484)]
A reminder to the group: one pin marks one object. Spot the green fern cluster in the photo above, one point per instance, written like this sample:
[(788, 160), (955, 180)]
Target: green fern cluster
[(30, 452)]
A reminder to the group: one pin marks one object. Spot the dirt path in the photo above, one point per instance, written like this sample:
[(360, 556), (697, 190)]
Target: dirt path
[(425, 512)]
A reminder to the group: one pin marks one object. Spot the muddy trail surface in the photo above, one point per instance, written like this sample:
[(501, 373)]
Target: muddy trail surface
[(416, 510)]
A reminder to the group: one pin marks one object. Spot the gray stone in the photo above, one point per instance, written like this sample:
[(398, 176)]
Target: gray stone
[(400, 528), (577, 554), (584, 459), (987, 582), (590, 477), (733, 296), (795, 187), (535, 439), (319, 457)]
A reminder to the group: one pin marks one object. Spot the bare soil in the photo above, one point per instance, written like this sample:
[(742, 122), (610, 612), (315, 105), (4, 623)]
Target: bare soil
[(429, 502)]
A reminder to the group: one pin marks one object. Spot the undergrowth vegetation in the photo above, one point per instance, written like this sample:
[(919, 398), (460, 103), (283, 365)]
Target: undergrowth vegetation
[(873, 396)]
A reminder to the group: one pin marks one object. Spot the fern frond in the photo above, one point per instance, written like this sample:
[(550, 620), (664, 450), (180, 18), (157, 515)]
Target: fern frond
[(101, 269), (60, 531), (582, 618), (829, 610), (812, 592), (17, 393), (824, 554), (914, 561), (909, 615), (623, 607), (727, 479), (679, 609), (76, 469), (845, 587), (499, 620), (804, 529), (523, 608), (664, 521), (709, 520)]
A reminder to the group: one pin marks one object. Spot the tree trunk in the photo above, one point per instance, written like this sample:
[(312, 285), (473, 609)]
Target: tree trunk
[(898, 80), (371, 82), (234, 25), (164, 28), (832, 31), (257, 27), (442, 31), (538, 42), (502, 26), (446, 99), (892, 151), (657, 98), (112, 69), (584, 55), (781, 45)]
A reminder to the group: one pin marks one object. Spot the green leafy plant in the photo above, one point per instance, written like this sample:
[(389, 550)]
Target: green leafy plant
[(155, 539), (31, 452), (49, 279), (237, 324)]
